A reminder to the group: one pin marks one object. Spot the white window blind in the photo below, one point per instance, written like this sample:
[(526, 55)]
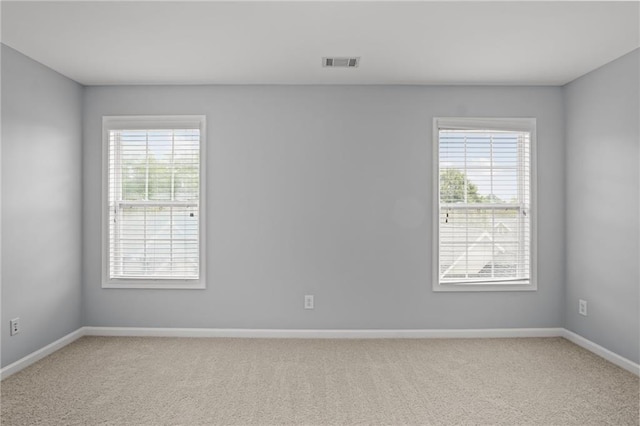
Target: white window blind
[(485, 205), (154, 203)]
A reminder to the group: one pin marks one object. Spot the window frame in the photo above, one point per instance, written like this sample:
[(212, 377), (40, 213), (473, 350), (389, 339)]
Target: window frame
[(484, 123), (142, 122)]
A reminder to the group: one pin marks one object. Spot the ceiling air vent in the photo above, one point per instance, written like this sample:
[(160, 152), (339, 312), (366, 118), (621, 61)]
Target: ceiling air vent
[(341, 62)]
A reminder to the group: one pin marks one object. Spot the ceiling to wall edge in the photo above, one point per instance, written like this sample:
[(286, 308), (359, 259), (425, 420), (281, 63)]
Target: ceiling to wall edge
[(204, 83)]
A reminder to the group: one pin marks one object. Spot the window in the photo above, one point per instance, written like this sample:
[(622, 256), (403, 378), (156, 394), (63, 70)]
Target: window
[(484, 234), (153, 202)]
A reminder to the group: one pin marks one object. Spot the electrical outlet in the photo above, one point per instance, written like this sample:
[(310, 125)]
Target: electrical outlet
[(308, 301), (15, 326), (582, 307)]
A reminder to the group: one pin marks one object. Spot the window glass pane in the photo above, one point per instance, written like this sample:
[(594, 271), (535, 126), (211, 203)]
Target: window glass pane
[(479, 243), (133, 158), (160, 159), (186, 165)]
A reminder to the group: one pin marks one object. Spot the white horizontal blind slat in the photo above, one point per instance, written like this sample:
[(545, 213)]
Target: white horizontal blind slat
[(154, 198), (484, 206)]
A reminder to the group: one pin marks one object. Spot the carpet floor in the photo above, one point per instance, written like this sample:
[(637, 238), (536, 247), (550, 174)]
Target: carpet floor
[(198, 381)]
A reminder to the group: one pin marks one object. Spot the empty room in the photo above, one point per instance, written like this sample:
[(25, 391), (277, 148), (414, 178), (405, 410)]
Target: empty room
[(320, 212)]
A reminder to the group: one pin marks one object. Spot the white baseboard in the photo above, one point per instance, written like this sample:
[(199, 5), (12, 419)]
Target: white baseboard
[(605, 353), (321, 334), (40, 353), (324, 334)]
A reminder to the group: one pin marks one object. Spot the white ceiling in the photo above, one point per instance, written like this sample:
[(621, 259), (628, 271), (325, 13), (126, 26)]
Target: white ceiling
[(268, 42)]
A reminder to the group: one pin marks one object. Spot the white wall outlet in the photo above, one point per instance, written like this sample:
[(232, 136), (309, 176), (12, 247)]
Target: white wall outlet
[(15, 326), (308, 301), (582, 307)]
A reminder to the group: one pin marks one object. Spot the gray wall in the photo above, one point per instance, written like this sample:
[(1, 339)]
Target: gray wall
[(41, 204), (325, 190), (602, 212), (319, 190)]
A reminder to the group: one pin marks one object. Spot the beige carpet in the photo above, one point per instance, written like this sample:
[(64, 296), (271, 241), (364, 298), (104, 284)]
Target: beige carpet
[(173, 381)]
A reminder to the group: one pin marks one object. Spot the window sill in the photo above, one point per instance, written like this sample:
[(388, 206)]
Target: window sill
[(451, 288), (155, 285)]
